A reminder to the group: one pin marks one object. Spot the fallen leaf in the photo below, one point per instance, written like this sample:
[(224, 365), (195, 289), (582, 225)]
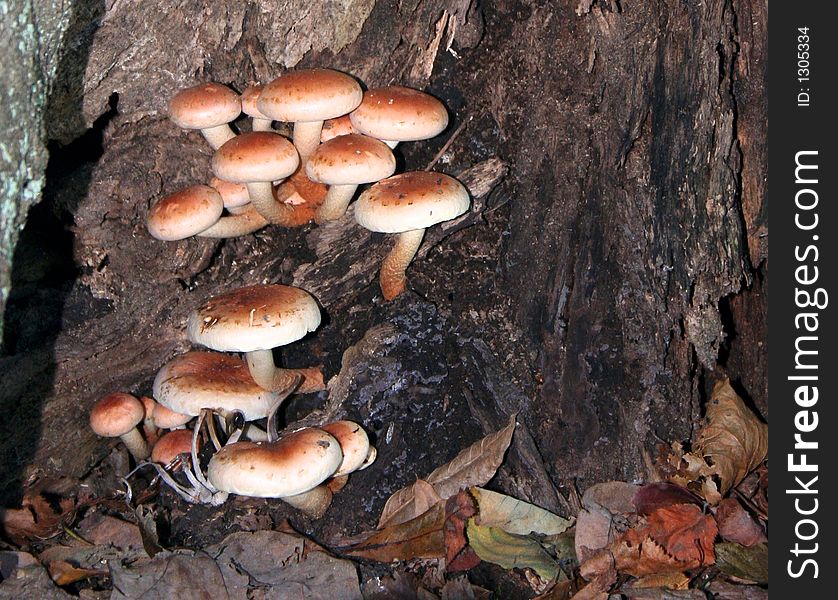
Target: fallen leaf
[(474, 466), (421, 537), (748, 564), (663, 494), (736, 525), (101, 529), (675, 538), (419, 498), (43, 509), (27, 579), (172, 575), (724, 590), (733, 440), (284, 565), (672, 581), (604, 516), (63, 573), (510, 550), (516, 516), (458, 510), (661, 593)]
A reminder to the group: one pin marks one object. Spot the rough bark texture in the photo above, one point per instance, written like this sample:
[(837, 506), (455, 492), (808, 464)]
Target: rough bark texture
[(29, 52), (591, 293)]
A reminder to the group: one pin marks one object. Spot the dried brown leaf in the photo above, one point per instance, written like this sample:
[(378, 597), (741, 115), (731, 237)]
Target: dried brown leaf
[(39, 518), (458, 510), (63, 573), (421, 537), (733, 440), (736, 525), (474, 466), (418, 498), (748, 564)]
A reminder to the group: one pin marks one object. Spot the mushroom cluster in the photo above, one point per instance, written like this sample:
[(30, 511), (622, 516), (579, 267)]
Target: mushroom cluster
[(342, 139)]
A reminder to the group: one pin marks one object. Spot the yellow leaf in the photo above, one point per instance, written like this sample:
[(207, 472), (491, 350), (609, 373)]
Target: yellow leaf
[(510, 551)]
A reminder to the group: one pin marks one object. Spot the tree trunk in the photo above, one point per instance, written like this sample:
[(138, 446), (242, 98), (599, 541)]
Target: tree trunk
[(619, 265)]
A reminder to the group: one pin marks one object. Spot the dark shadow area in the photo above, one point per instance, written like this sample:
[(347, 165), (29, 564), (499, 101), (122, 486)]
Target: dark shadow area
[(45, 297)]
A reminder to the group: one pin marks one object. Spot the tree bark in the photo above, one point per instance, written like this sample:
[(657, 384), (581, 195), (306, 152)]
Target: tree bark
[(594, 293)]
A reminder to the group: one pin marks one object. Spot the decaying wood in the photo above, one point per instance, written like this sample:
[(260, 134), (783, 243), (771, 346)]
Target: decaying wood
[(593, 294)]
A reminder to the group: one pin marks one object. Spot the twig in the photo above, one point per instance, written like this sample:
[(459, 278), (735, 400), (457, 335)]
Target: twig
[(447, 144)]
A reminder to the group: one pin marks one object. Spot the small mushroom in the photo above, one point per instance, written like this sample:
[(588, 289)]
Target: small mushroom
[(165, 418), (117, 415), (171, 445), (332, 128), (209, 107), (307, 98), (407, 204), (399, 114), (345, 162), (257, 159), (250, 96), (354, 444), (254, 320), (291, 469), (185, 213)]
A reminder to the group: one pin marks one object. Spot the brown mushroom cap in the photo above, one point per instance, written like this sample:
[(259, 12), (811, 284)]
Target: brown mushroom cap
[(204, 106), (185, 213), (197, 380), (310, 95), (351, 160), (116, 414), (354, 444), (170, 445), (258, 317), (332, 128), (166, 418), (294, 464), (257, 156), (399, 114), (409, 201), (233, 195), (249, 98)]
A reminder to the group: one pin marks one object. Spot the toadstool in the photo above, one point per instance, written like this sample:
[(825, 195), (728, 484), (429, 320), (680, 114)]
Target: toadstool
[(117, 415), (399, 114), (307, 98), (254, 320), (209, 107), (343, 163), (407, 204)]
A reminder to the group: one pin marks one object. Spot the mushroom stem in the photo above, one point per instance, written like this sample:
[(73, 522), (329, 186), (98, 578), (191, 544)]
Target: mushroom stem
[(313, 503), (235, 225), (337, 200), (306, 138), (393, 278), (218, 135), (135, 443), (267, 375), (262, 198), (262, 124)]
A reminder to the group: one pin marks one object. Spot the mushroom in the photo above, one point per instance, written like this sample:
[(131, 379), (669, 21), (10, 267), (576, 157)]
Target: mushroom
[(307, 98), (185, 213), (117, 415), (254, 320), (399, 114), (171, 445), (332, 128), (257, 159), (354, 444), (407, 204), (197, 210), (250, 96), (165, 418), (197, 380), (291, 469), (209, 107), (234, 195), (343, 163), (149, 428)]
